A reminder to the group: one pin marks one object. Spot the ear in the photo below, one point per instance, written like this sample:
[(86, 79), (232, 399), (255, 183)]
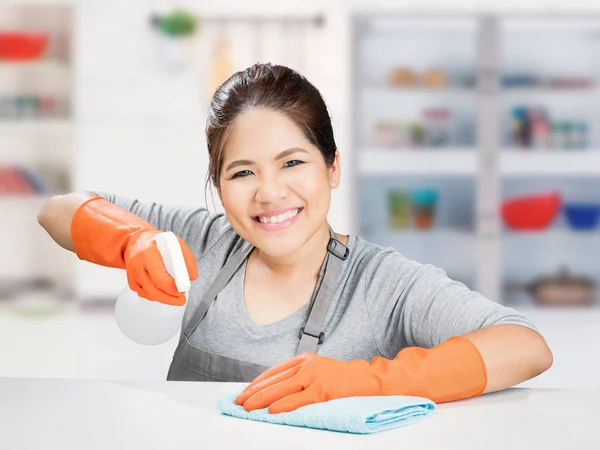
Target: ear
[(335, 171)]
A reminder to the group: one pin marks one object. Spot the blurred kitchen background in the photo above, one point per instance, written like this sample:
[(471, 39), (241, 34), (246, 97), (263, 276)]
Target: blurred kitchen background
[(469, 134)]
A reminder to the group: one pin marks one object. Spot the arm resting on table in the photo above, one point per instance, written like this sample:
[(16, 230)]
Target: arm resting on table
[(456, 369), (512, 354)]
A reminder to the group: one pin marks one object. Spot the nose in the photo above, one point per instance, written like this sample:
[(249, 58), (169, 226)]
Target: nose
[(271, 189)]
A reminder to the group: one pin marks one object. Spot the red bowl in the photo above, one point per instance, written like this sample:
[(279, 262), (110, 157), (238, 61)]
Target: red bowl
[(22, 46), (534, 212)]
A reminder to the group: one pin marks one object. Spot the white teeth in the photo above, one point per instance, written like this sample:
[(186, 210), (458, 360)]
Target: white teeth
[(279, 218)]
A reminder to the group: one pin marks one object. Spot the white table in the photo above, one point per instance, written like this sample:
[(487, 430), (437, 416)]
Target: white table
[(110, 415)]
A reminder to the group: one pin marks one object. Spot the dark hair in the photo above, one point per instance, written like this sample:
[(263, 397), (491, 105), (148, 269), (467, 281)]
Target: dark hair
[(273, 87)]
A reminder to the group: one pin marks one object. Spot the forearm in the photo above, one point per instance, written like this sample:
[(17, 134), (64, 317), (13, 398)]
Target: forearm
[(512, 354), (489, 359), (486, 360), (56, 214)]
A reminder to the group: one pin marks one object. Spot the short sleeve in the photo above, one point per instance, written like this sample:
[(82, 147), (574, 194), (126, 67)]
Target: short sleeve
[(414, 304)]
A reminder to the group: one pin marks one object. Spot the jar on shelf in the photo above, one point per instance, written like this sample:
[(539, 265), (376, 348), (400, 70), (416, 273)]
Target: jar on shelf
[(579, 136), (8, 110), (559, 136), (438, 127), (539, 129), (402, 77), (434, 78), (416, 135), (387, 133), (423, 205), (398, 208)]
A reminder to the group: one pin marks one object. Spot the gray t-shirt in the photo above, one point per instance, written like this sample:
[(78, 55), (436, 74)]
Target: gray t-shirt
[(383, 301)]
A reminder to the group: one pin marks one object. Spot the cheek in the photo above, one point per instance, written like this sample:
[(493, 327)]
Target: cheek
[(234, 199), (315, 189)]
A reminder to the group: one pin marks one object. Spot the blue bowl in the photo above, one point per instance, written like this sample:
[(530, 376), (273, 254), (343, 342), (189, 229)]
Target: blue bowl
[(581, 216)]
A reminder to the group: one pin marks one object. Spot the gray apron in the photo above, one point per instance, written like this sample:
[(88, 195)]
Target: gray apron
[(193, 364)]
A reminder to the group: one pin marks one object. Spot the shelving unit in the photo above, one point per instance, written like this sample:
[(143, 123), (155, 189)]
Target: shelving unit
[(550, 48), (381, 46), (469, 238), (37, 135)]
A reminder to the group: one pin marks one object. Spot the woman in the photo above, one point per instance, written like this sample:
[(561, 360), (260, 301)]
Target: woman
[(362, 319)]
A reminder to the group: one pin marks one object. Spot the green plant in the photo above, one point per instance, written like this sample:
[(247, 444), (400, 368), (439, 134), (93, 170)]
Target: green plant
[(177, 23)]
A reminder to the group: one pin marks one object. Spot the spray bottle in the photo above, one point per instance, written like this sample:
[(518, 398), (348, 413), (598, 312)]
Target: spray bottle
[(150, 322)]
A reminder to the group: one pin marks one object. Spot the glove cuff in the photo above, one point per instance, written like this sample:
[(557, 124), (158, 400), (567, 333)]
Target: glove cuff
[(452, 370), (100, 232)]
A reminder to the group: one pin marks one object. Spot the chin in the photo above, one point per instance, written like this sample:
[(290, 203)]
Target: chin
[(275, 248)]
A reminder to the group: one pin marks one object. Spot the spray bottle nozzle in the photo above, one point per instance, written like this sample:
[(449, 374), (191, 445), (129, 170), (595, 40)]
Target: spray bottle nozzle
[(172, 256)]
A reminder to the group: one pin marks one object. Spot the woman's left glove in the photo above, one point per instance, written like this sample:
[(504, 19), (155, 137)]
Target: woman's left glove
[(306, 379), (450, 371)]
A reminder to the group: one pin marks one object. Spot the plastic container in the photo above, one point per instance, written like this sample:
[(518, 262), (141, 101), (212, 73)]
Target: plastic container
[(582, 216), (150, 322), (533, 212), (438, 127), (563, 289), (424, 202), (579, 136), (399, 208), (22, 46)]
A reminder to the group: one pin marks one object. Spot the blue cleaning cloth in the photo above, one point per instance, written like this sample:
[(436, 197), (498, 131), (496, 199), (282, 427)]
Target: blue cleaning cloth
[(360, 415)]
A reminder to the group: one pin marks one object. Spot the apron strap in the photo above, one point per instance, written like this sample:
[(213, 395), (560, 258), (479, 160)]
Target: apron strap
[(311, 335), (222, 278)]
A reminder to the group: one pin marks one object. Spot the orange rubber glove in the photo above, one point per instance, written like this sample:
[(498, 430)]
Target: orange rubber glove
[(449, 371), (105, 234)]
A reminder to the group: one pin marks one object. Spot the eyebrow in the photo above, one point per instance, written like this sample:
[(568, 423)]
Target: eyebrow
[(247, 162)]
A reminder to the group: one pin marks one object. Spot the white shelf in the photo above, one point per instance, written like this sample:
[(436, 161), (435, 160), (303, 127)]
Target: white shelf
[(34, 197), (550, 90), (38, 2), (581, 315), (36, 125), (577, 163), (443, 90), (447, 161), (391, 22), (17, 67), (552, 234), (461, 161), (34, 200), (581, 24), (447, 235)]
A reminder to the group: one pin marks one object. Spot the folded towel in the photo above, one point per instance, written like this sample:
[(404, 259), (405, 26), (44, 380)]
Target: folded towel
[(360, 415)]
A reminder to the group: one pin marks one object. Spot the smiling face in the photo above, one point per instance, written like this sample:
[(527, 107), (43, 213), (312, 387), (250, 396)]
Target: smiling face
[(274, 184)]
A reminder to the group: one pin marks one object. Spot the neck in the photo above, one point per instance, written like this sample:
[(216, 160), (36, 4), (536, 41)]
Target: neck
[(303, 264)]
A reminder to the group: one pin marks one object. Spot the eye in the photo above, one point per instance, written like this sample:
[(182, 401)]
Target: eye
[(293, 163), (241, 174)]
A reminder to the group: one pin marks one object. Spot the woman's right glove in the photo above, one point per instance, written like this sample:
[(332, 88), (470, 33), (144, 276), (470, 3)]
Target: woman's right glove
[(105, 234)]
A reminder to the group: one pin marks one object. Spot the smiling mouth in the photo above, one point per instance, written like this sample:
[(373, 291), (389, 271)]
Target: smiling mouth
[(278, 218)]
